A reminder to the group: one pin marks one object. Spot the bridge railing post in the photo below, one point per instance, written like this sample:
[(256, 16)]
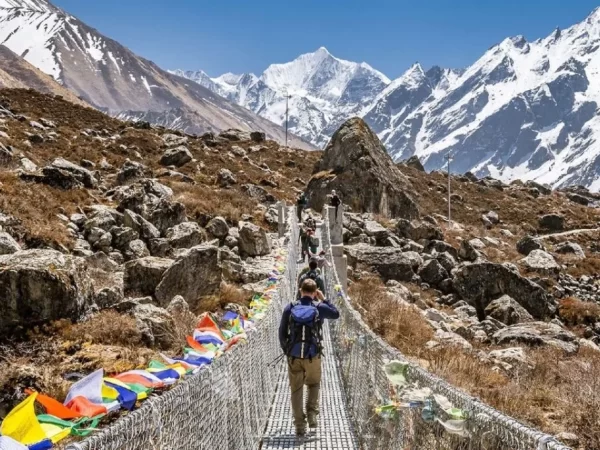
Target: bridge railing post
[(281, 218), (335, 216)]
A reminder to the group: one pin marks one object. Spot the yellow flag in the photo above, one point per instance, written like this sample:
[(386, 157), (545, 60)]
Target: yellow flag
[(22, 425)]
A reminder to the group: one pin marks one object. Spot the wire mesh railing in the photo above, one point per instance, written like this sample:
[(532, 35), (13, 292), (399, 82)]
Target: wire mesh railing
[(362, 356)]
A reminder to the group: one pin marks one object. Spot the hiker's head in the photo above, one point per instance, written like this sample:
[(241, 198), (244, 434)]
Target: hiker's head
[(308, 288), (312, 264), (333, 192)]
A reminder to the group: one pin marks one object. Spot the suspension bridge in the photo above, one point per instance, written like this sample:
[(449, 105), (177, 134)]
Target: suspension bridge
[(242, 401)]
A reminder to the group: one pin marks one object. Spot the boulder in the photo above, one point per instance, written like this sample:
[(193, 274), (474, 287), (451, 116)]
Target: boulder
[(432, 272), (506, 310), (511, 355), (225, 178), (130, 170), (218, 228), (155, 324), (536, 334), (541, 262), (195, 274), (253, 240), (56, 177), (167, 214), (84, 176), (7, 244), (492, 216), (356, 164), (528, 244), (580, 199), (173, 140), (415, 163), (136, 249), (177, 157), (186, 235), (447, 261), (389, 262), (143, 275), (122, 236), (467, 251), (435, 247), (480, 283), (258, 136), (552, 222), (144, 228), (235, 135), (418, 230), (570, 248), (38, 286)]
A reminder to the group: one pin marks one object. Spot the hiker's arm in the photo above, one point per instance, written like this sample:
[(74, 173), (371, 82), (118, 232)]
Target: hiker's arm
[(328, 311), (283, 328)]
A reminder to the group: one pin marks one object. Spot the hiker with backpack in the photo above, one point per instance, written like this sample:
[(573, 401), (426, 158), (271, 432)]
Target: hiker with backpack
[(301, 203), (321, 260), (300, 337), (303, 240), (311, 272), (335, 201), (313, 241)]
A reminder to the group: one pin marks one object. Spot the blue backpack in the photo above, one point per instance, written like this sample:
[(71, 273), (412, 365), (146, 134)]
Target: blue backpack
[(304, 330)]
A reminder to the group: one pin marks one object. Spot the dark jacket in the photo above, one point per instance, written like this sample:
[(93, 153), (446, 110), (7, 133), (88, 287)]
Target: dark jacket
[(319, 279), (326, 311), (335, 200)]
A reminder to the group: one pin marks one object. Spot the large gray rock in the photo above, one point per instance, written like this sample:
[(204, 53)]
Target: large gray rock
[(217, 227), (143, 275), (81, 174), (506, 310), (177, 156), (167, 214), (467, 251), (7, 244), (38, 286), (136, 249), (389, 262), (122, 236), (144, 228), (528, 244), (186, 235), (432, 272), (536, 334), (253, 240), (193, 275), (356, 164), (480, 283), (541, 262), (418, 230), (225, 178), (570, 248), (155, 324)]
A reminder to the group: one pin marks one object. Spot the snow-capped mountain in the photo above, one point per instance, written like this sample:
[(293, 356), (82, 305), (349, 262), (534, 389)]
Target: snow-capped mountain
[(322, 91), (111, 77), (526, 110)]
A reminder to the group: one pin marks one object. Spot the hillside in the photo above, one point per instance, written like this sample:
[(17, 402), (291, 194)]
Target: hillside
[(109, 76)]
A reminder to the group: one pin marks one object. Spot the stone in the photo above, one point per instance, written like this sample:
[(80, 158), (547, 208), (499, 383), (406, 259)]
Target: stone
[(258, 136), (477, 244), (193, 275), (552, 222), (136, 249), (167, 214), (418, 230), (356, 165), (536, 334), (415, 163), (577, 198), (218, 228), (432, 272), (186, 235), (511, 355), (467, 251), (238, 151), (231, 241), (39, 286), (78, 219), (435, 247), (253, 240), (506, 310), (225, 178), (388, 262), (122, 236), (541, 262), (7, 244), (451, 339), (544, 190), (173, 140), (235, 135), (160, 247), (55, 177), (103, 218), (447, 261), (570, 248), (178, 156), (27, 165), (480, 283), (492, 216), (143, 275), (84, 176), (130, 170), (101, 261), (527, 244), (144, 228), (155, 324)]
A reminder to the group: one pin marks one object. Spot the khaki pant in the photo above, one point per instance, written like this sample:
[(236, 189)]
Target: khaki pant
[(304, 372)]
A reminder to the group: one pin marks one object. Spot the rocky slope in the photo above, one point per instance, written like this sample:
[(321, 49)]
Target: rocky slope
[(524, 110), (111, 77)]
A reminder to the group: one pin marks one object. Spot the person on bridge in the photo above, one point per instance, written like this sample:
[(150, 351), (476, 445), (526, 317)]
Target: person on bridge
[(321, 259), (301, 203), (303, 238), (311, 272), (313, 241), (335, 201), (300, 337)]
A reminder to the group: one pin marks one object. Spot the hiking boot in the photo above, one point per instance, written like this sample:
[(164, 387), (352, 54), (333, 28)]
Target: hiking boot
[(312, 421), (300, 432)]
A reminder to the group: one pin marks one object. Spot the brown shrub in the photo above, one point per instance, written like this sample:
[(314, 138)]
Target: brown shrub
[(229, 293), (107, 327), (576, 312)]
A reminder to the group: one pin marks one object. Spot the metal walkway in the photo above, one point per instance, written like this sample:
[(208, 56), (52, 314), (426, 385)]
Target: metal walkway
[(335, 431)]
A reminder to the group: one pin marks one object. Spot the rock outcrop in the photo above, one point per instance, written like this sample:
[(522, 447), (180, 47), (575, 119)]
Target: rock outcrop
[(390, 263), (357, 166)]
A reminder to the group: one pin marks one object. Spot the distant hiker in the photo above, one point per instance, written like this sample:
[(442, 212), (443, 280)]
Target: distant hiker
[(313, 241), (303, 240), (311, 272), (335, 201), (321, 259), (300, 205), (311, 222), (300, 337)]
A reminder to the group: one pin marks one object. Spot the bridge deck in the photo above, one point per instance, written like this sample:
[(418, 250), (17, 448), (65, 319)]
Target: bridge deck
[(335, 429)]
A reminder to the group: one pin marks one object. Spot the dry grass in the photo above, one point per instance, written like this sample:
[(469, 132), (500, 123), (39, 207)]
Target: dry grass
[(229, 293), (576, 312), (588, 266), (107, 327)]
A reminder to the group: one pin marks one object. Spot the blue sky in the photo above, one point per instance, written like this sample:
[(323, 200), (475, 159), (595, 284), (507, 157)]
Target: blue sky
[(247, 35)]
